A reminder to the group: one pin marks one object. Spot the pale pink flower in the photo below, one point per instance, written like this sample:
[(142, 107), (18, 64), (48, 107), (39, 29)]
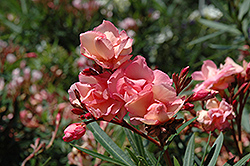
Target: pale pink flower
[(11, 58), (148, 95), (217, 115), (28, 119), (128, 23), (74, 132), (2, 83), (36, 75), (214, 78), (106, 46), (95, 95)]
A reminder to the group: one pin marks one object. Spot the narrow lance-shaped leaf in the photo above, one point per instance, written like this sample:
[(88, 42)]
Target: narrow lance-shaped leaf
[(100, 156), (218, 143), (243, 160), (189, 153), (244, 8), (220, 26), (109, 144)]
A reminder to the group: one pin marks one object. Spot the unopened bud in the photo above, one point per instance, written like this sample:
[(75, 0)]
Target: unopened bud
[(88, 115), (184, 71), (188, 106), (77, 111), (202, 95)]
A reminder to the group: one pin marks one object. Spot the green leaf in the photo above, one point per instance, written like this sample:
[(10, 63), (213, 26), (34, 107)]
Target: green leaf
[(244, 8), (11, 25), (220, 26), (223, 47), (218, 143), (100, 156), (133, 156), (108, 144), (204, 38), (131, 140), (189, 153), (243, 160), (179, 130), (151, 158), (24, 6), (138, 141), (176, 163), (245, 121), (143, 161), (205, 151)]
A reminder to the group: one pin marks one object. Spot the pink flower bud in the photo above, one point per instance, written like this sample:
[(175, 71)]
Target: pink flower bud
[(77, 111), (74, 132), (188, 106), (88, 115), (184, 71), (202, 95), (31, 55)]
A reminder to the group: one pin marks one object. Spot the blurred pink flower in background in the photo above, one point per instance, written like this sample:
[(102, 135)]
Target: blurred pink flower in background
[(148, 95), (128, 23), (74, 132), (2, 83), (217, 115), (106, 46), (214, 78), (28, 119), (11, 58)]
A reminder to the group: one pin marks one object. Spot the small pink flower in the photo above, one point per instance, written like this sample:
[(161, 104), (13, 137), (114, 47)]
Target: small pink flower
[(217, 115), (94, 94), (74, 132), (148, 95), (106, 46), (214, 78), (11, 58)]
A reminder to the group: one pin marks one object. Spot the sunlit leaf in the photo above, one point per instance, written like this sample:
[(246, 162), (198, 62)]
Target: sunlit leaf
[(176, 163), (189, 153)]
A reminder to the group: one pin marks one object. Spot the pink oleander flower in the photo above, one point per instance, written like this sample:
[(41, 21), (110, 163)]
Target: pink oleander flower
[(214, 78), (74, 132), (106, 46), (94, 94), (217, 115), (148, 95)]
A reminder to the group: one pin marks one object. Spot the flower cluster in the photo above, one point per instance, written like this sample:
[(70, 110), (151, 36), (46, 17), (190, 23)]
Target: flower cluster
[(229, 76), (117, 85)]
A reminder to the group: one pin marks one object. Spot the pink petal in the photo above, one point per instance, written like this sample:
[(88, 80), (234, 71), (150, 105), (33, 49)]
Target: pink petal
[(88, 41), (209, 69), (104, 48), (164, 93), (161, 78), (107, 26), (138, 69), (139, 105), (198, 76)]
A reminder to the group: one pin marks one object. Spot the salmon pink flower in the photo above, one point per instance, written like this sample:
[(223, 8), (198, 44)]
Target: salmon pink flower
[(94, 94), (214, 78), (106, 46), (148, 95), (74, 132), (217, 115)]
